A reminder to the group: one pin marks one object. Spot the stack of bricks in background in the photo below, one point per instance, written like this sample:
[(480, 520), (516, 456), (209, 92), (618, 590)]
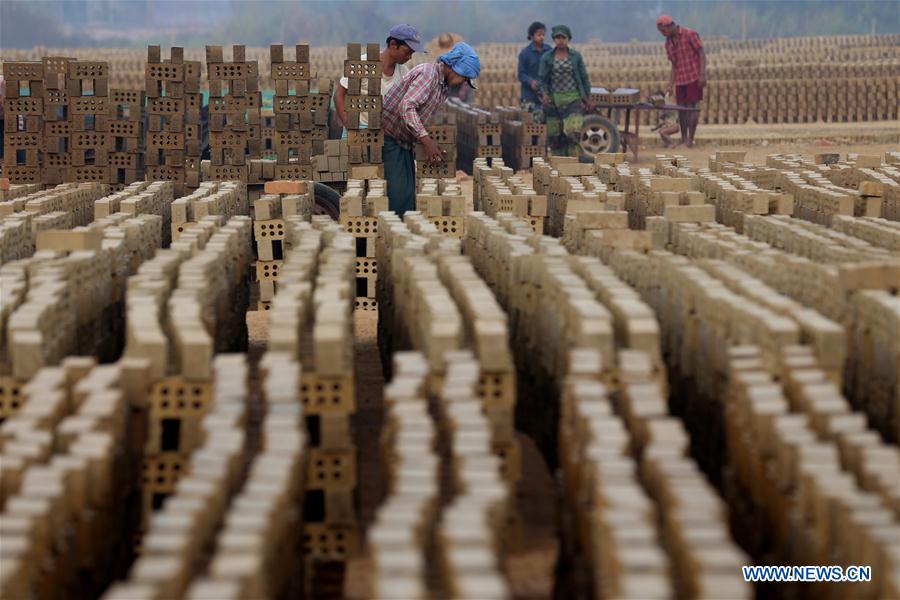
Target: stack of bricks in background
[(23, 121), (788, 80), (234, 113), (522, 138), (292, 107), (478, 133), (445, 137), (363, 105), (364, 153), (87, 86), (57, 129), (497, 189), (833, 78), (282, 199), (445, 117), (267, 134), (331, 165), (125, 140), (443, 202), (360, 205), (173, 121)]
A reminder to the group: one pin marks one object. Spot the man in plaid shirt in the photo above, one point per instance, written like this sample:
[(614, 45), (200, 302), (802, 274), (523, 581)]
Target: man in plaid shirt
[(685, 51), (405, 109)]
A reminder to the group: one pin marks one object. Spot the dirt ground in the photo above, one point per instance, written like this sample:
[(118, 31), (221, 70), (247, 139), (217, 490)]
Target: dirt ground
[(531, 563)]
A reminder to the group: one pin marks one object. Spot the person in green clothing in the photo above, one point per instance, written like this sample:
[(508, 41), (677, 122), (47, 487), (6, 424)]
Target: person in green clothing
[(565, 92)]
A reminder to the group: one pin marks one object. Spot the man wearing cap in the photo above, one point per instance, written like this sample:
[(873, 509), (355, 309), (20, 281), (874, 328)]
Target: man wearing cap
[(688, 78), (403, 40), (407, 106)]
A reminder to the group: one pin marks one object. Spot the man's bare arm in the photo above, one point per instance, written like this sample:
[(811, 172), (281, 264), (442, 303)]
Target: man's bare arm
[(339, 105)]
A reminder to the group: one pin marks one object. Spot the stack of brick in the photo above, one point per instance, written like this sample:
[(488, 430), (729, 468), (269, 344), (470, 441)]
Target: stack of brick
[(443, 203), (126, 137), (332, 163), (213, 198), (234, 113), (445, 136), (312, 317), (62, 207), (363, 106), (360, 204), (523, 139), (173, 119), (499, 190), (177, 321), (734, 198), (364, 153), (51, 449), (292, 107), (282, 199), (57, 129), (267, 149), (258, 558), (440, 306), (479, 133), (364, 229), (87, 87), (23, 122)]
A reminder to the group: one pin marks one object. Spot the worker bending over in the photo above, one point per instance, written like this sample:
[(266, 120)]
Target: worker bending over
[(405, 110)]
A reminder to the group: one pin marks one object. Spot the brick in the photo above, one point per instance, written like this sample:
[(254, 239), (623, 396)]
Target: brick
[(871, 188), (70, 240), (671, 184), (868, 161), (607, 219), (285, 187), (691, 214)]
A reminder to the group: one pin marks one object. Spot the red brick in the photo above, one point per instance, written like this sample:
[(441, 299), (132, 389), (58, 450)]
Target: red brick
[(285, 187)]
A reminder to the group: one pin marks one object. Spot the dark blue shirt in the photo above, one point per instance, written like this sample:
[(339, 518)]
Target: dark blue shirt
[(529, 62)]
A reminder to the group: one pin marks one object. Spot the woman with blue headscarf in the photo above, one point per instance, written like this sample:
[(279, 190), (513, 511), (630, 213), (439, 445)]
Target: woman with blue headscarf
[(405, 109)]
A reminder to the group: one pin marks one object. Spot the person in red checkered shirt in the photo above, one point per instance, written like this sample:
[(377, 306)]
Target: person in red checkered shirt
[(407, 107), (685, 51)]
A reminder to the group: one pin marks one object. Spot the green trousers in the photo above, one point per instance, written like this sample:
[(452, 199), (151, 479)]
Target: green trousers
[(400, 174), (564, 120)]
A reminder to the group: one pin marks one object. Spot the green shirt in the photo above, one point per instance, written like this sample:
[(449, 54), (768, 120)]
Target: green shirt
[(582, 80)]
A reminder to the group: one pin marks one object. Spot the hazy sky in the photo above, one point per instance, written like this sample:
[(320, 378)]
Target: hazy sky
[(25, 23)]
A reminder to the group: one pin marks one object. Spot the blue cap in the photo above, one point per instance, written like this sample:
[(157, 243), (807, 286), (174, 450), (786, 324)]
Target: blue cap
[(409, 35), (463, 59)]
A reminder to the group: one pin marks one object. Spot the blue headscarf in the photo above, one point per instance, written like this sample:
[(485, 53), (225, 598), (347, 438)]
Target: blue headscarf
[(463, 59)]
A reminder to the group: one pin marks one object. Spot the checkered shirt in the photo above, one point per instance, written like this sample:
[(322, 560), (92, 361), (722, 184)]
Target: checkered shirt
[(412, 101), (683, 51), (562, 77)]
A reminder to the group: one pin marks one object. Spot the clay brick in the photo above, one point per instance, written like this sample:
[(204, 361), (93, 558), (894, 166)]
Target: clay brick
[(871, 188), (285, 187), (602, 219), (705, 213)]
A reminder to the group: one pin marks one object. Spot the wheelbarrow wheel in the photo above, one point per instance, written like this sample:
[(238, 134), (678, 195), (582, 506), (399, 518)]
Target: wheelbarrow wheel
[(598, 135), (328, 201)]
